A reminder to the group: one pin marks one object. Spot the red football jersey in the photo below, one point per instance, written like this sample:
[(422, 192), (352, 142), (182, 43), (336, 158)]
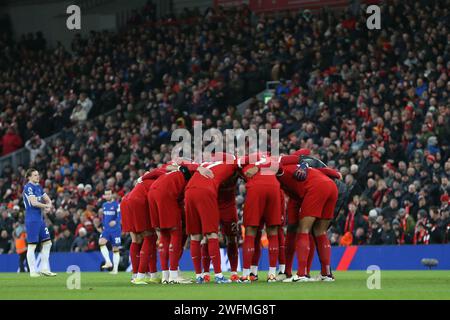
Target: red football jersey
[(297, 189), (140, 189), (263, 162), (222, 171), (227, 194), (173, 182)]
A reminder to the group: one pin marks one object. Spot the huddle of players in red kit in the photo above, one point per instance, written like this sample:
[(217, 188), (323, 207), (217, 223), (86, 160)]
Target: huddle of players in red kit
[(198, 200)]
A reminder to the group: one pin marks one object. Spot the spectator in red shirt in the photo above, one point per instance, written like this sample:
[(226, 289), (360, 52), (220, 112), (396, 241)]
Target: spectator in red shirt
[(11, 141)]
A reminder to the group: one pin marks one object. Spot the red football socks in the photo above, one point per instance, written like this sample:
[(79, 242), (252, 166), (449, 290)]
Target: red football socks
[(135, 249), (302, 253), (324, 251), (175, 248), (214, 253), (206, 260), (144, 256), (290, 251), (232, 252), (273, 250), (196, 255), (282, 250), (257, 252), (312, 249), (152, 250), (248, 250), (164, 249)]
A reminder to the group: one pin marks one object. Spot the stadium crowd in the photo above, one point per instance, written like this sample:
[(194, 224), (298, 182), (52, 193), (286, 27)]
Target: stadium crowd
[(373, 104)]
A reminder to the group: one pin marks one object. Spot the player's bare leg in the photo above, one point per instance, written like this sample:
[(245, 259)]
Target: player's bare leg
[(248, 250), (272, 236), (323, 248), (303, 248)]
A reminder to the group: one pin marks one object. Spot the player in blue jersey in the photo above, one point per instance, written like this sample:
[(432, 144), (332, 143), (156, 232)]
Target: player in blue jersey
[(37, 203), (111, 232)]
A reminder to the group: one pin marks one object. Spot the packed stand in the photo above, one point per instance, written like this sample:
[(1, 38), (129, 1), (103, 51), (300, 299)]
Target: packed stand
[(373, 104)]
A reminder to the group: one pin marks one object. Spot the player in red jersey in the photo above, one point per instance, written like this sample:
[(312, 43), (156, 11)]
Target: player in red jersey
[(262, 203), (229, 229), (318, 195), (135, 220), (202, 210), (293, 211), (282, 241), (165, 206), (229, 222)]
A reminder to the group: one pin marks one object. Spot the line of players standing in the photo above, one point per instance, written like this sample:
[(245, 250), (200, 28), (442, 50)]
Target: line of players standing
[(184, 199)]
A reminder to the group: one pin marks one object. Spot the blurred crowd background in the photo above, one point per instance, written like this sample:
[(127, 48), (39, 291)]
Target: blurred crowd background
[(374, 104)]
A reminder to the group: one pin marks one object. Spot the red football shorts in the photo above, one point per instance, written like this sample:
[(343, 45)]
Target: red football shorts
[(202, 211), (293, 211), (165, 211), (262, 203), (127, 220), (320, 201), (139, 216), (283, 208), (229, 221)]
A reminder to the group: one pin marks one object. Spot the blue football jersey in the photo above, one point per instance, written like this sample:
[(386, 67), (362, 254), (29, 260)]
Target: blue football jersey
[(111, 212), (32, 213)]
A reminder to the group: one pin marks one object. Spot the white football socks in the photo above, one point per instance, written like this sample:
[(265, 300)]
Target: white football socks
[(116, 261), (45, 255), (254, 270), (105, 254), (31, 258), (272, 270)]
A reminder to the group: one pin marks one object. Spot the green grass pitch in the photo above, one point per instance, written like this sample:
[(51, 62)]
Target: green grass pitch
[(348, 285)]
